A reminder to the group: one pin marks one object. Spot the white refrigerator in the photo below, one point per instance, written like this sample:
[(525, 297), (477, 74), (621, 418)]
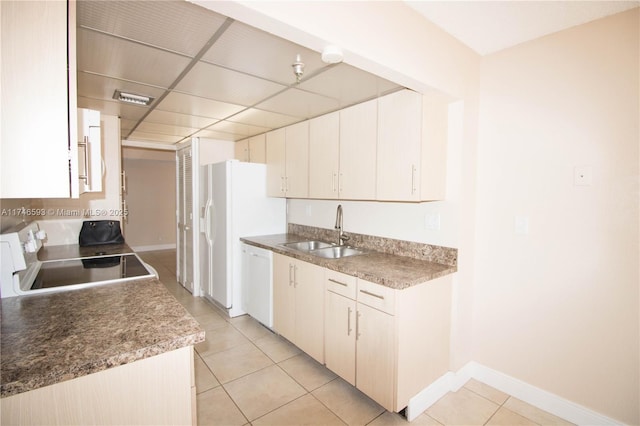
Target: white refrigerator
[(233, 203)]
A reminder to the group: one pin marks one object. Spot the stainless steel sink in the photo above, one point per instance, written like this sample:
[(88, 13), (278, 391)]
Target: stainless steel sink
[(307, 245), (337, 252)]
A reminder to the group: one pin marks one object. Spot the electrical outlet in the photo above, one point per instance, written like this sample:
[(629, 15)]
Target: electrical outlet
[(521, 225)]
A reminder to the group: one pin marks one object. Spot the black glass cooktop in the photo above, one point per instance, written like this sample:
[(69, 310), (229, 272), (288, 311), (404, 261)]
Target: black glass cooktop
[(89, 270)]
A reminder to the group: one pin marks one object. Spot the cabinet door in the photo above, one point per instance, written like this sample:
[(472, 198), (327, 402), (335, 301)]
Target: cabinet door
[(38, 94), (242, 150), (340, 336), (375, 355), (297, 158), (399, 146), (257, 149), (358, 136), (276, 185), (283, 296), (309, 301), (324, 141)]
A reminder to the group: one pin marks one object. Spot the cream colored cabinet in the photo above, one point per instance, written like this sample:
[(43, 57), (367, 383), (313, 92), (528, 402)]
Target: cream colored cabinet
[(276, 163), (38, 118), (251, 150), (297, 160), (287, 156), (241, 149), (342, 154), (257, 149), (390, 344), (298, 307), (412, 133), (340, 325), (358, 136), (324, 156)]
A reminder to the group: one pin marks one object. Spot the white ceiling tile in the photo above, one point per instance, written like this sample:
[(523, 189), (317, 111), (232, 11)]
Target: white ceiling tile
[(214, 82), (113, 57), (244, 130), (211, 134), (179, 26), (113, 107), (177, 119), (155, 137), (165, 129), (187, 104), (298, 103), (348, 84), (253, 51), (267, 119), (100, 87)]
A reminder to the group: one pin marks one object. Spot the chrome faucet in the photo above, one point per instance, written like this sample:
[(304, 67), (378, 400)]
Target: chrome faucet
[(342, 237)]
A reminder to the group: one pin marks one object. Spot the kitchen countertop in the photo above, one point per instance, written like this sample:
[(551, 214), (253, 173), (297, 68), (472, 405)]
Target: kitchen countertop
[(390, 270), (53, 337)]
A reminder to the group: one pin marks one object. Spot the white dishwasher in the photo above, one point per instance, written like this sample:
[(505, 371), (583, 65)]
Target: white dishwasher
[(257, 283)]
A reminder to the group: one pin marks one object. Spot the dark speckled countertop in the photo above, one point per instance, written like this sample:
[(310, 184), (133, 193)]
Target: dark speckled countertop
[(380, 267), (50, 338)]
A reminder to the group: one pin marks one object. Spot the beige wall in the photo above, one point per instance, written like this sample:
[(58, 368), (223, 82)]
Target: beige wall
[(558, 307), (151, 200)]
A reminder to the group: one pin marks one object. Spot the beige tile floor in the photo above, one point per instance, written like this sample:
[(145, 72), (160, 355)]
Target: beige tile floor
[(245, 375)]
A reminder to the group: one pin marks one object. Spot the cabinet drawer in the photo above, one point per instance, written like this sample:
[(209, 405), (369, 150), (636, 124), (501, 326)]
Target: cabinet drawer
[(377, 296), (342, 284)]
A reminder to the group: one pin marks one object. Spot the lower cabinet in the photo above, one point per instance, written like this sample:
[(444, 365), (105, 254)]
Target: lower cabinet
[(159, 390), (298, 304), (390, 344)]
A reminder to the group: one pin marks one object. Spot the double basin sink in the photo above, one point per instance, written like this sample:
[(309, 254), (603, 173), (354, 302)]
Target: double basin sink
[(323, 249)]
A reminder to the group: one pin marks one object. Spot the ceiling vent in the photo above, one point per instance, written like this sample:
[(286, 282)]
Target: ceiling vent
[(132, 98)]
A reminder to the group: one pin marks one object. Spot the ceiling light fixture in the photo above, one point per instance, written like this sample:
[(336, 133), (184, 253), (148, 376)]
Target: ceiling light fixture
[(298, 68), (332, 55), (132, 98)]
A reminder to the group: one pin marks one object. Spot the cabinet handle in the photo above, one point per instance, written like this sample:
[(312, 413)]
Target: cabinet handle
[(340, 182), (349, 321), (358, 314), (333, 182), (337, 282), (290, 274), (286, 184), (372, 294), (281, 183), (85, 144), (295, 276), (413, 179)]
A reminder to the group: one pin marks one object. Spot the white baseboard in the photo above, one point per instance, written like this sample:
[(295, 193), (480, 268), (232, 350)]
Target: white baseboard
[(153, 247), (530, 394)]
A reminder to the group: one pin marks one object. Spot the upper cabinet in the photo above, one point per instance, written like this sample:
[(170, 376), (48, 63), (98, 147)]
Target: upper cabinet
[(324, 156), (412, 141), (38, 150), (251, 150), (287, 155)]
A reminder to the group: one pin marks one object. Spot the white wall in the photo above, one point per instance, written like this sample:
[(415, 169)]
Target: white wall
[(557, 307)]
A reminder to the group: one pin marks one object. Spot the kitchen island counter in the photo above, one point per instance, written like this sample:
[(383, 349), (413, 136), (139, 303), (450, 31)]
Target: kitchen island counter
[(50, 338), (378, 264)]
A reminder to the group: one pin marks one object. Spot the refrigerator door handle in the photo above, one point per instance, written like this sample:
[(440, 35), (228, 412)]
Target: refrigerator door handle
[(207, 222), (212, 222)]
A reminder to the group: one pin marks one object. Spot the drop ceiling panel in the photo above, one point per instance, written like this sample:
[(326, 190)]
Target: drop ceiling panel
[(194, 105), (258, 53), (211, 134), (239, 129), (154, 137), (348, 84), (177, 119), (266, 119), (214, 82), (299, 103), (100, 87), (165, 129), (178, 26), (112, 107), (117, 58)]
